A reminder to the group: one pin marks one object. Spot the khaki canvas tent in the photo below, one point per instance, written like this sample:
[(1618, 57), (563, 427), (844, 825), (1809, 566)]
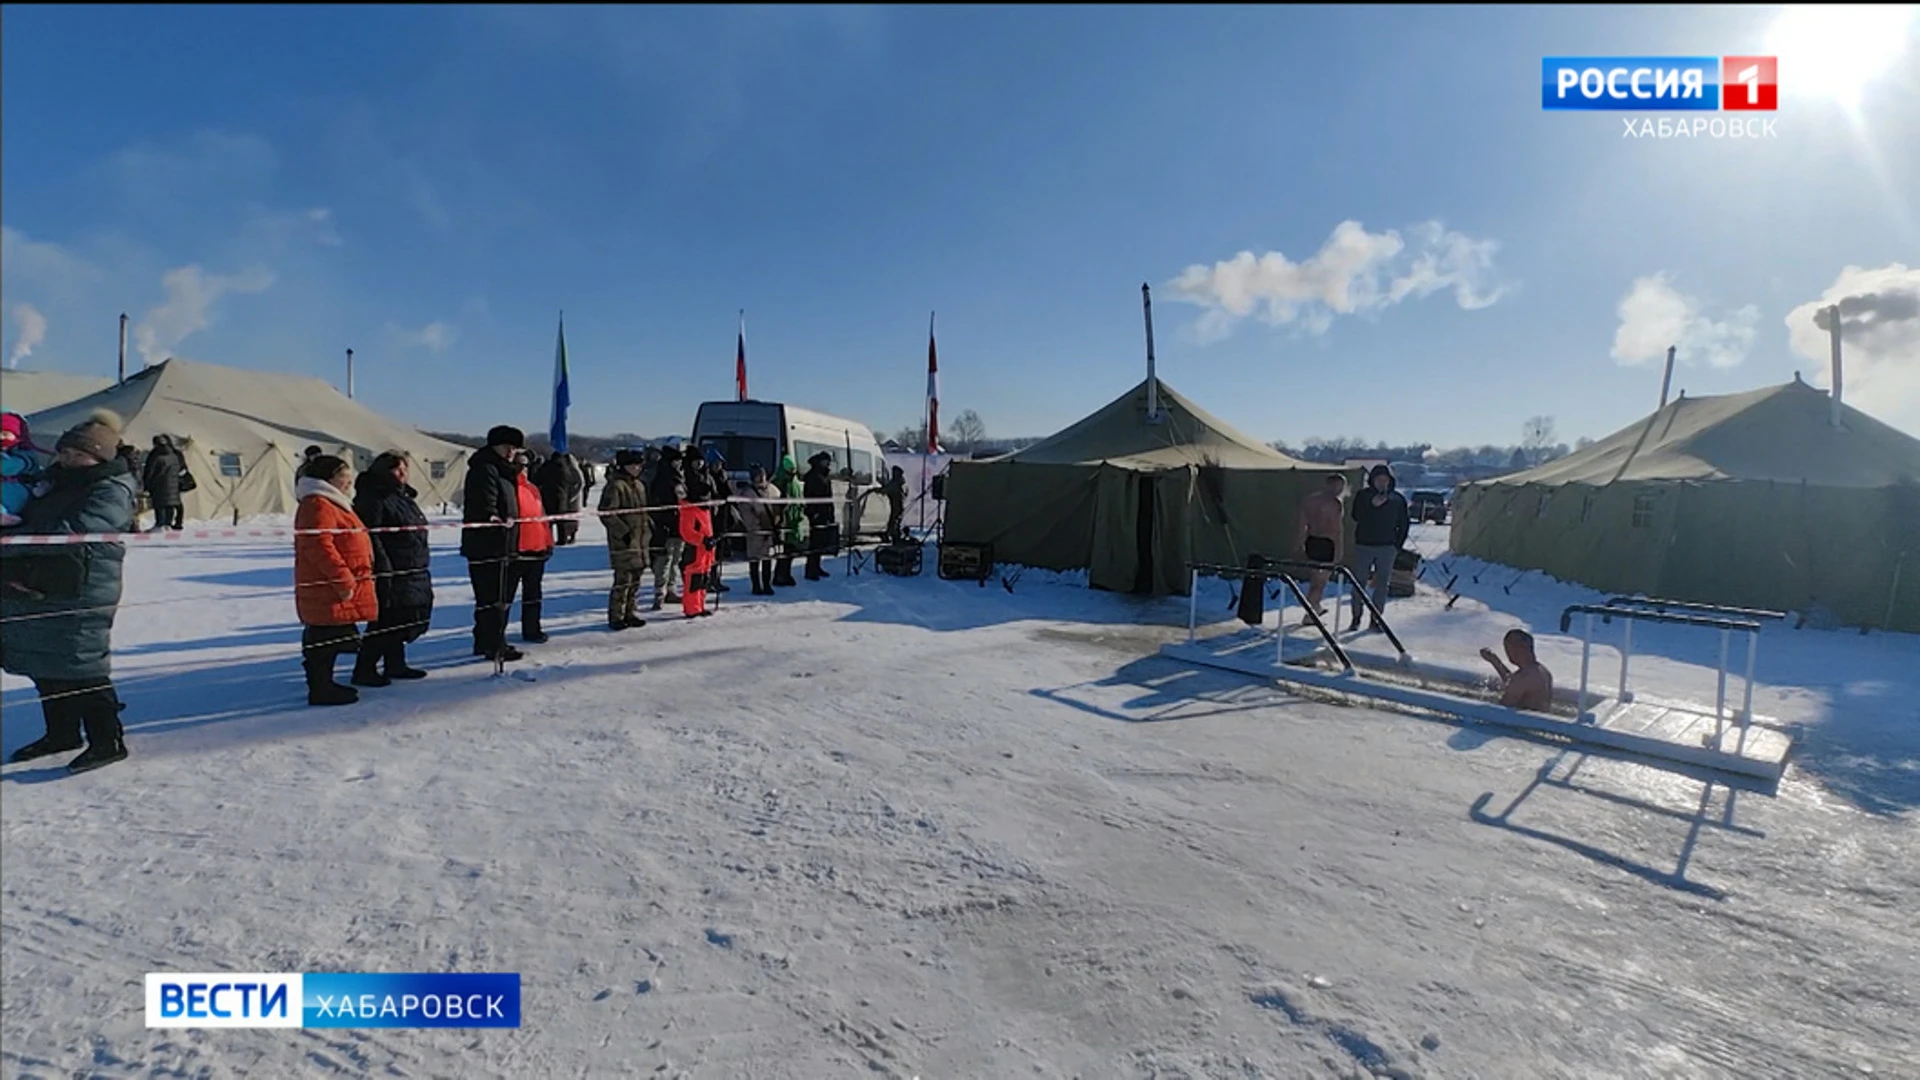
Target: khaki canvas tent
[(1749, 500), (29, 392), (1133, 502), (243, 433)]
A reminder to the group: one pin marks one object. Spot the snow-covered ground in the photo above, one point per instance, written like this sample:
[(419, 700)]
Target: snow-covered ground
[(924, 828)]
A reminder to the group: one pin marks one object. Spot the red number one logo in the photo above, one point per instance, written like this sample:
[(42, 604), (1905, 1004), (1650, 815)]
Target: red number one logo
[(1750, 83)]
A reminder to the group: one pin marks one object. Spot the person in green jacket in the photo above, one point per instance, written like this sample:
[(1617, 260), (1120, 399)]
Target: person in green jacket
[(793, 521)]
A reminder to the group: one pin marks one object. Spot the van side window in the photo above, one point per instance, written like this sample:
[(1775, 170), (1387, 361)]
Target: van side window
[(743, 452), (862, 467), (804, 451)]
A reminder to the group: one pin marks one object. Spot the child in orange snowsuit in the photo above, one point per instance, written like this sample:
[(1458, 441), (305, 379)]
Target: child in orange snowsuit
[(696, 531)]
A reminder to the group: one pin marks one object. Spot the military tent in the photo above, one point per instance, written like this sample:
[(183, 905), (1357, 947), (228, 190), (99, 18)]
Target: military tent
[(243, 433), (1133, 502), (29, 392), (1748, 500)]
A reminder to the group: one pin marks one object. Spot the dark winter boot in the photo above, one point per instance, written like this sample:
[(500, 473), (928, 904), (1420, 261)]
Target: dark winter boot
[(783, 573), (366, 669), (321, 689), (530, 624), (63, 727), (395, 659), (753, 576), (100, 712)]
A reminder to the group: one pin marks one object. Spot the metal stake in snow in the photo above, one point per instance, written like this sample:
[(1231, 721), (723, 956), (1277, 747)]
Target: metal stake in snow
[(123, 347), (349, 373)]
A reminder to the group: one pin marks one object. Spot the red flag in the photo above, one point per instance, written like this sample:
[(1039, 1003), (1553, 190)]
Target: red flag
[(933, 392), (740, 361)]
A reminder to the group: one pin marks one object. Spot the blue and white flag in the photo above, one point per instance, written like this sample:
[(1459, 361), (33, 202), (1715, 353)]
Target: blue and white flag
[(557, 426)]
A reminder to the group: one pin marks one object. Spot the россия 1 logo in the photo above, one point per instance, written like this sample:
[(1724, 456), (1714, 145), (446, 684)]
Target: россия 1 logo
[(1660, 83), (1749, 84)]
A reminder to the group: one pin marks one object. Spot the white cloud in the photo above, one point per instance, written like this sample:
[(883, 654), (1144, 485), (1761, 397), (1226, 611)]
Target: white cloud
[(33, 331), (1655, 316), (206, 161), (434, 337), (191, 293), (1354, 272), (40, 262), (1879, 340), (424, 199), (324, 232)]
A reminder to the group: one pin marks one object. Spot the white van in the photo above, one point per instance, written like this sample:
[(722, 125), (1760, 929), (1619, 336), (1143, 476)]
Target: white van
[(749, 433)]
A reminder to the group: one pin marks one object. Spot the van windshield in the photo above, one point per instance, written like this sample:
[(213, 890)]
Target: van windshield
[(743, 452)]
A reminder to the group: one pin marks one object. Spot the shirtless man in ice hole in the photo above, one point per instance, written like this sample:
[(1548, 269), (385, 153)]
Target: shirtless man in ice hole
[(1529, 685)]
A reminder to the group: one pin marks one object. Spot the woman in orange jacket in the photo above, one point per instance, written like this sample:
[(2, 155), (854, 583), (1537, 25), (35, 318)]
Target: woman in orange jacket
[(332, 575), (696, 532), (532, 547)]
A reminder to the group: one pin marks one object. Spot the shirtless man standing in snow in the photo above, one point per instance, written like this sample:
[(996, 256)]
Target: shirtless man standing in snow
[(1529, 685), (1322, 517)]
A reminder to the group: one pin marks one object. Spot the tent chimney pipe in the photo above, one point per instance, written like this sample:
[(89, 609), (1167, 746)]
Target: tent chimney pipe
[(123, 346), (1833, 333), (349, 374), (1667, 379), (1153, 382)]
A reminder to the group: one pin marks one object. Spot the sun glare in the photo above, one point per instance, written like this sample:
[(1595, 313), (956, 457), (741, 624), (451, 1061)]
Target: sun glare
[(1834, 51)]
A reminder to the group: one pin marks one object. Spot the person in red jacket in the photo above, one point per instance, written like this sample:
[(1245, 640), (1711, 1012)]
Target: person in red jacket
[(332, 575), (533, 546), (696, 531)]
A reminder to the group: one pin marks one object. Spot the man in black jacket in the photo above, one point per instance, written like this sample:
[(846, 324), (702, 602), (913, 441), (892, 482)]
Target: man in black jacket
[(817, 484), (492, 503), (562, 487), (664, 493), (1380, 527), (165, 485)]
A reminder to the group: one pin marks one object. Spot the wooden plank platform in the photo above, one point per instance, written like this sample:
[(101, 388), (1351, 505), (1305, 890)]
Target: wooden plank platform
[(1667, 731)]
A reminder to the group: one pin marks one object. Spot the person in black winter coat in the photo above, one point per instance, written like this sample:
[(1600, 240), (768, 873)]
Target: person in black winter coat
[(402, 578), (818, 484), (563, 488), (1381, 525), (725, 522), (664, 493), (487, 543), (161, 478)]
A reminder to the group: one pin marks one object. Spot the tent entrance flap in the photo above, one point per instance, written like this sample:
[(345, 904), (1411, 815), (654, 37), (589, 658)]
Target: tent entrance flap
[(1115, 562)]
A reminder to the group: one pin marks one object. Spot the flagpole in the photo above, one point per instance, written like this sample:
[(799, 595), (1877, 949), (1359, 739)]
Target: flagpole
[(926, 450), (740, 361)]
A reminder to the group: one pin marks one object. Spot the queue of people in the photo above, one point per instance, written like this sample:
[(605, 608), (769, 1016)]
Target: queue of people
[(362, 580)]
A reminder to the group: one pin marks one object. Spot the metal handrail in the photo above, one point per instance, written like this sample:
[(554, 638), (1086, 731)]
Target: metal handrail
[(1194, 570), (1360, 591), (1629, 615), (1658, 604), (1608, 614)]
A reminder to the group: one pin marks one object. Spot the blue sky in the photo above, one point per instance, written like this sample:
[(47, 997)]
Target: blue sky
[(265, 187)]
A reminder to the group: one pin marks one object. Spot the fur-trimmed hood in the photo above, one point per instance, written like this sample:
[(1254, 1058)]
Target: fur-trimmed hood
[(307, 486)]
